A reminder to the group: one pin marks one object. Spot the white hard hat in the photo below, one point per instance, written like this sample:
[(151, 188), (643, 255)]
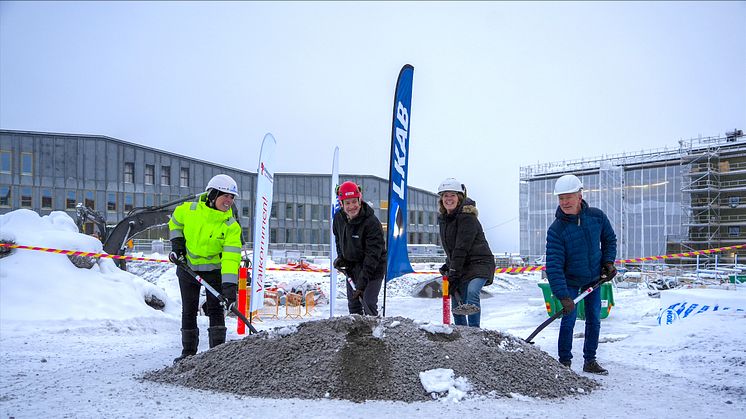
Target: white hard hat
[(223, 183), (451, 185), (567, 184)]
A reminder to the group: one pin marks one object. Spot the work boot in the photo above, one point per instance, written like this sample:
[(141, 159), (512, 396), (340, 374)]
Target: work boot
[(216, 335), (189, 343), (593, 368), (567, 363)]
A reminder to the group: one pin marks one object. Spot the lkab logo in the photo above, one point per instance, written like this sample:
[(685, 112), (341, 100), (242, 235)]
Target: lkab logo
[(685, 309)]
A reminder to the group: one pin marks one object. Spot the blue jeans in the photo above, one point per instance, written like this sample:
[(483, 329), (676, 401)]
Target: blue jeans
[(471, 290), (592, 326)]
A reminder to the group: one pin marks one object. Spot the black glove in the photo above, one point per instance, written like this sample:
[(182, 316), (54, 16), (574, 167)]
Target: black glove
[(568, 305), (178, 246), (608, 272), (443, 270), (229, 292), (177, 258), (340, 264), (453, 276), (357, 294)]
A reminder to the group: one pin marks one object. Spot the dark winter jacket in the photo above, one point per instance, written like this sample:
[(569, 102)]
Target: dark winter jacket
[(467, 250), (361, 244), (577, 247)]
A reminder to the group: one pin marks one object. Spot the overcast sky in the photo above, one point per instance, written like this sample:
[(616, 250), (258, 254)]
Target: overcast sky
[(497, 86)]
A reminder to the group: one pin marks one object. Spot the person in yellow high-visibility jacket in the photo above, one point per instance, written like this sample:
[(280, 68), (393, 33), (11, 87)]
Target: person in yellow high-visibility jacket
[(205, 235)]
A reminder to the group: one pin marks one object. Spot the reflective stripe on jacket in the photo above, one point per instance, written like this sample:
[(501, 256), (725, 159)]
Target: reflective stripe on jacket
[(213, 238)]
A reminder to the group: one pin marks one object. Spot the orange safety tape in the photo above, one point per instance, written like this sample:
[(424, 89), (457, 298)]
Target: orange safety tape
[(78, 253), (324, 270)]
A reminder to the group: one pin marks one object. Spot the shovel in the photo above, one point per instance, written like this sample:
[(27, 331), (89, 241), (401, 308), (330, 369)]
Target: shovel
[(559, 313), (461, 309)]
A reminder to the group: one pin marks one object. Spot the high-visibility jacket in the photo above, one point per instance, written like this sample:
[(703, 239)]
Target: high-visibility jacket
[(213, 238)]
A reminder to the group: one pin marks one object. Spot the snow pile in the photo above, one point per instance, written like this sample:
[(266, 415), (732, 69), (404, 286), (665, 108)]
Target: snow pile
[(51, 287), (340, 358)]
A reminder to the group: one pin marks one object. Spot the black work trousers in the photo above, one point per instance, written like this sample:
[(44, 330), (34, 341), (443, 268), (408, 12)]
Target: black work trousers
[(190, 289)]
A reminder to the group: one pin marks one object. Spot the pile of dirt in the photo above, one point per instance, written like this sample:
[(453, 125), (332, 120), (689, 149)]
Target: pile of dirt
[(362, 358)]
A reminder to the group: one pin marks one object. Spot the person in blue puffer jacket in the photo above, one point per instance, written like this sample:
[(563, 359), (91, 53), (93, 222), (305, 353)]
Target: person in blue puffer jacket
[(581, 249)]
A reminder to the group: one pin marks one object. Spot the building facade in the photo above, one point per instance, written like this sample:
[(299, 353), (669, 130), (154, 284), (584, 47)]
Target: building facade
[(47, 172), (691, 197)]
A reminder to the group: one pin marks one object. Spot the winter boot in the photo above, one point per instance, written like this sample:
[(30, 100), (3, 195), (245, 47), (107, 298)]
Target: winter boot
[(567, 363), (189, 343), (593, 368), (216, 335)]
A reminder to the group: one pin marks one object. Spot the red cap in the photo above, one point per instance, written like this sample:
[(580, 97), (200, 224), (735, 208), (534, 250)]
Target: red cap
[(348, 190)]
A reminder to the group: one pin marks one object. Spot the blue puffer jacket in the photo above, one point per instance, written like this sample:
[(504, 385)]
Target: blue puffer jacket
[(577, 246)]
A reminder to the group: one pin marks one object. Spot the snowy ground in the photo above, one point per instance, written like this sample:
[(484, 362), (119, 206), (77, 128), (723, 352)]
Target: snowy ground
[(75, 343)]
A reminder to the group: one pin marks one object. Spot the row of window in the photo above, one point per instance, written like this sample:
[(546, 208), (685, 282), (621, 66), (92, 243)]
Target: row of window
[(71, 199), (27, 168), (27, 163), (165, 175), (320, 212)]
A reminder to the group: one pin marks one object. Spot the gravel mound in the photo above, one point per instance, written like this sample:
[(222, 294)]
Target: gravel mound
[(362, 358)]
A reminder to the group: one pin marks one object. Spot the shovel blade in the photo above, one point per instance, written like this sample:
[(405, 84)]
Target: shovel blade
[(465, 310)]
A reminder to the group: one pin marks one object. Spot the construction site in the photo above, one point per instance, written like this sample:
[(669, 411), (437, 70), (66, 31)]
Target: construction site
[(690, 197)]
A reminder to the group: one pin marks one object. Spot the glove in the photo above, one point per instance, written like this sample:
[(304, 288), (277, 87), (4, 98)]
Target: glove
[(177, 258), (443, 270), (568, 305), (453, 276), (178, 246), (608, 272), (357, 294), (229, 292), (340, 264)]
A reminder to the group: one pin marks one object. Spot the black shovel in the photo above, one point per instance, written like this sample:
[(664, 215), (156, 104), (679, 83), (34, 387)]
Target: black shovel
[(559, 313), (180, 263)]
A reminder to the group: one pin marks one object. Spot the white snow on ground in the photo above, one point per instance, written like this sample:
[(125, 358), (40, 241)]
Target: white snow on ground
[(74, 343)]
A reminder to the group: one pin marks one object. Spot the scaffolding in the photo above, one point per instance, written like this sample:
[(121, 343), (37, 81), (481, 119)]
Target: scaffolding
[(660, 201), (714, 187)]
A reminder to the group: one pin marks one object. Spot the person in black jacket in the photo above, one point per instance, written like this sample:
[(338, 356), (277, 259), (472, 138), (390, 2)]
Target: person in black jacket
[(361, 247), (470, 264)]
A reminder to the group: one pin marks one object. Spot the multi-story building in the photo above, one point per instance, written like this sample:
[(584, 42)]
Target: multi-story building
[(671, 200), (45, 172)]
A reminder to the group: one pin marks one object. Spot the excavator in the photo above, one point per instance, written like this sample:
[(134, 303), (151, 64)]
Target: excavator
[(137, 220)]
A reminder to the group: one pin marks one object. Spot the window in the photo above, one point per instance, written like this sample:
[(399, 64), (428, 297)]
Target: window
[(26, 201), (288, 211), (4, 161), (184, 177), (4, 196), (273, 235), (315, 236), (46, 199), (128, 202), (148, 200), (129, 172), (111, 201), (289, 236), (27, 166), (165, 175), (273, 214), (301, 212), (245, 211), (315, 209), (89, 201), (149, 174), (71, 200), (734, 231)]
